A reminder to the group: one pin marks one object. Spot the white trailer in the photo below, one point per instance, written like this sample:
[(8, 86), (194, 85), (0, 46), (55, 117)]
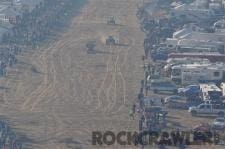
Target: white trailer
[(222, 86), (194, 45), (198, 73), (210, 92), (184, 60)]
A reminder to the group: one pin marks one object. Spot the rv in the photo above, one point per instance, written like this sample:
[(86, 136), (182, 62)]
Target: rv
[(185, 60), (194, 45), (164, 51), (212, 57), (198, 73), (210, 92)]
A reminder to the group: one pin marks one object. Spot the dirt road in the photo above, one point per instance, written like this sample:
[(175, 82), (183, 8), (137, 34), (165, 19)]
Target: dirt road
[(61, 94)]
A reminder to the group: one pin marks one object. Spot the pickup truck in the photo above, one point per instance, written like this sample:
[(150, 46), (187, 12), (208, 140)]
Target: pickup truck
[(162, 85), (207, 109), (189, 90)]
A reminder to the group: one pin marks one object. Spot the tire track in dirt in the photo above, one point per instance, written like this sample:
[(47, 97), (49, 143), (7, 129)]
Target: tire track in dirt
[(88, 131), (58, 120), (114, 80), (61, 122), (48, 82), (42, 58), (107, 75), (55, 112), (131, 44), (118, 70), (77, 99), (120, 73), (46, 91)]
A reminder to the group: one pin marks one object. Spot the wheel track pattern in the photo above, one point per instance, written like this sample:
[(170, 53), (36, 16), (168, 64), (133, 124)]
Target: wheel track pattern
[(108, 98), (120, 73), (114, 80)]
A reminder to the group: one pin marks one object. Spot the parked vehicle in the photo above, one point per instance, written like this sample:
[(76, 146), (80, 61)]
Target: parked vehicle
[(202, 127), (202, 132), (194, 45), (161, 85), (198, 73), (160, 54), (149, 102), (91, 47), (210, 92), (173, 98), (176, 102), (207, 109), (214, 101), (190, 90), (212, 57), (186, 60), (111, 20), (219, 123), (110, 41)]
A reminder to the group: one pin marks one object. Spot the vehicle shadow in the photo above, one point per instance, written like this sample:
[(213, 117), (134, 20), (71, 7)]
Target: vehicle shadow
[(122, 45), (116, 24), (69, 141), (174, 125), (208, 116), (98, 52)]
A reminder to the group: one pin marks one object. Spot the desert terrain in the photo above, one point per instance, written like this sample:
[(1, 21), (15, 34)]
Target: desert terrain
[(58, 94)]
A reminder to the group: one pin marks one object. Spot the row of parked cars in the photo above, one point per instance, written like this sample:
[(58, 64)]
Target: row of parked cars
[(218, 124), (191, 97), (205, 98), (166, 85)]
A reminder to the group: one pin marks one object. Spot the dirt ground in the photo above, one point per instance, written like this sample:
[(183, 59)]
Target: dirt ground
[(57, 95)]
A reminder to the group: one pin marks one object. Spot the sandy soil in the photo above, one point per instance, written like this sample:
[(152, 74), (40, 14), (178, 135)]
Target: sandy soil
[(57, 95)]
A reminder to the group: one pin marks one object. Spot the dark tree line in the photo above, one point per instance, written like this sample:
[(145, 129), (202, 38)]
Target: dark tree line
[(8, 138), (35, 27)]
